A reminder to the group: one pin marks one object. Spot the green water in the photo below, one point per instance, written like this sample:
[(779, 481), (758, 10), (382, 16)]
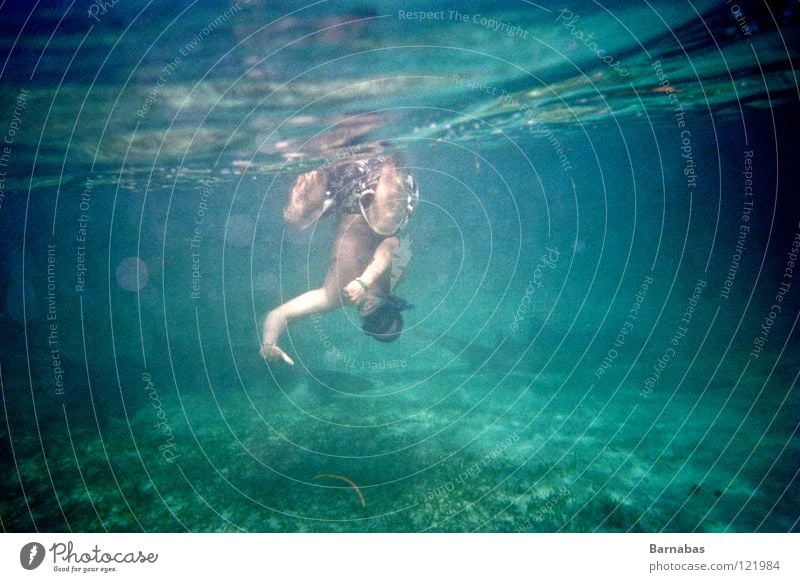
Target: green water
[(595, 265)]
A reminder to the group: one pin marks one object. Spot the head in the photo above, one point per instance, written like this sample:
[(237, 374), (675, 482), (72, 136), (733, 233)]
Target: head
[(384, 322)]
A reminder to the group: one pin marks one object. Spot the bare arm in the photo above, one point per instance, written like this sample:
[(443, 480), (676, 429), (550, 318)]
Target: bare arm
[(278, 319), (381, 261)]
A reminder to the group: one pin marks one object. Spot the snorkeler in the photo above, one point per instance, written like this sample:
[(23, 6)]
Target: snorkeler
[(373, 199)]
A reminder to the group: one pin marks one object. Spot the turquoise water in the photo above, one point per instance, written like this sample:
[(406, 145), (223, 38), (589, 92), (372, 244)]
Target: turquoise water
[(601, 265)]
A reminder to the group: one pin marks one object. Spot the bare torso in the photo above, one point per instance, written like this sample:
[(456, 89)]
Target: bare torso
[(352, 251)]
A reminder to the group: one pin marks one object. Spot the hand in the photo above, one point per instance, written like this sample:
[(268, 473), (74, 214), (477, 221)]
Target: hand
[(355, 291), (272, 353)]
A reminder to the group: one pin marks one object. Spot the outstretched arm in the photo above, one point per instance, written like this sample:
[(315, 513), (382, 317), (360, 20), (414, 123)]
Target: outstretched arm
[(278, 319)]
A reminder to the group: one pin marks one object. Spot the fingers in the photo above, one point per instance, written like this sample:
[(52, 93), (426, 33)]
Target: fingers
[(274, 354), (355, 292)]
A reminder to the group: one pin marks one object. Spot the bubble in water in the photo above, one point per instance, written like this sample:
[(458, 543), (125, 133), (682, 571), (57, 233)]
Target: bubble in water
[(132, 274), (240, 230)]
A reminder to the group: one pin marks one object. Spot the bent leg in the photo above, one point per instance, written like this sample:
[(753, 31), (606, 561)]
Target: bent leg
[(389, 206)]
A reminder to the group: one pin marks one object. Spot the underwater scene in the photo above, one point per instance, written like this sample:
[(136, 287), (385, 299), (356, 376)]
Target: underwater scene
[(584, 295)]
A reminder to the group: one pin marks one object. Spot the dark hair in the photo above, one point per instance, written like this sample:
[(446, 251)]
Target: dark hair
[(385, 323)]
